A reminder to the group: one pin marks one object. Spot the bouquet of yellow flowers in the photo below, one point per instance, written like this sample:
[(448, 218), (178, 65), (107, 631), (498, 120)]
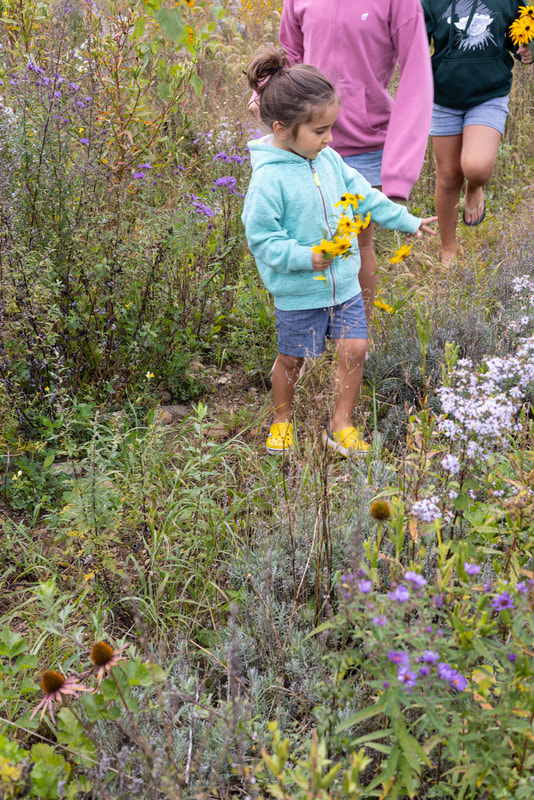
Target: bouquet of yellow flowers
[(522, 28), (346, 231)]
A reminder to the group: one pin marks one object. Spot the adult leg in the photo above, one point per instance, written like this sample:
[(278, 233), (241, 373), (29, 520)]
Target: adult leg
[(284, 379), (449, 181), (480, 145), (367, 276), (347, 380)]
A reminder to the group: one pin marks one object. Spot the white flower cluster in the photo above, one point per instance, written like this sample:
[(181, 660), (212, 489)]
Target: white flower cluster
[(426, 510), (484, 405)]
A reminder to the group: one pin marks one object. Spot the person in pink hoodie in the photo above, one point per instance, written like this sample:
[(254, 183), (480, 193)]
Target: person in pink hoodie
[(357, 44)]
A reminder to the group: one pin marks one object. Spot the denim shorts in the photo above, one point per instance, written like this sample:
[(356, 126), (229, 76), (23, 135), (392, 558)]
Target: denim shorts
[(368, 164), (451, 121), (303, 333)]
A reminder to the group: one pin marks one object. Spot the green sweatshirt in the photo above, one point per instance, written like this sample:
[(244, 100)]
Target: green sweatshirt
[(472, 62)]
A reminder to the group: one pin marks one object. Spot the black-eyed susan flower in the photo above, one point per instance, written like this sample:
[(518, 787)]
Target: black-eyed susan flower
[(349, 199), (522, 29), (401, 253), (384, 306), (55, 686), (104, 657)]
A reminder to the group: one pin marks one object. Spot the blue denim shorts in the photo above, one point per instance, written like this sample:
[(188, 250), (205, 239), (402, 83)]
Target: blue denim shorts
[(368, 164), (303, 333), (451, 121)]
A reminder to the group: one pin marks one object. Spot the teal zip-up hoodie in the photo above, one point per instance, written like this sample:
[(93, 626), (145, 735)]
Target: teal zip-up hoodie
[(472, 62), (289, 207)]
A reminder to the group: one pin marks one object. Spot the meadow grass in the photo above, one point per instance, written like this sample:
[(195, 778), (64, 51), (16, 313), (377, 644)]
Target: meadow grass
[(246, 586)]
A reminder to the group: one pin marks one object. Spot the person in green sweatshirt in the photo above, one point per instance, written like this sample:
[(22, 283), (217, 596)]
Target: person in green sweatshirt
[(300, 191), (472, 66)]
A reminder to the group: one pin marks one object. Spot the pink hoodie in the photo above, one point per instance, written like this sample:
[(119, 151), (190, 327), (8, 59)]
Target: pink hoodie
[(357, 44)]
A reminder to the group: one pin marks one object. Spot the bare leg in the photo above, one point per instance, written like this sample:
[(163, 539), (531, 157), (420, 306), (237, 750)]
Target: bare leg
[(449, 181), (284, 379), (348, 380), (367, 276), (480, 145)]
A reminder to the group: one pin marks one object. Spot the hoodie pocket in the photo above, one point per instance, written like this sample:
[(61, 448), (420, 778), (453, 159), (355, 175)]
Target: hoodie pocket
[(466, 83)]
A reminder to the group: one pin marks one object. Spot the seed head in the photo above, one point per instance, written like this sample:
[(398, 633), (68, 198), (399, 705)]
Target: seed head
[(51, 681), (101, 654), (380, 510)]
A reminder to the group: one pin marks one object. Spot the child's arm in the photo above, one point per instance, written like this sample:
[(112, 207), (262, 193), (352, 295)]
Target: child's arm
[(267, 239), (425, 227)]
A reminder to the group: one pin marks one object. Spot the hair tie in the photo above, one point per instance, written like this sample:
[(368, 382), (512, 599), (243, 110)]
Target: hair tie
[(275, 70)]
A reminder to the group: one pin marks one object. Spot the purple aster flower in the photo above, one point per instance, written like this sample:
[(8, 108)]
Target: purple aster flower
[(228, 181), (399, 657), (424, 671), (512, 657), (365, 586), (139, 175), (145, 166), (522, 588), (445, 671), (400, 594), (385, 684), (502, 601), (415, 578), (472, 569), (438, 600), (429, 657), (407, 677), (84, 140), (380, 620), (57, 93)]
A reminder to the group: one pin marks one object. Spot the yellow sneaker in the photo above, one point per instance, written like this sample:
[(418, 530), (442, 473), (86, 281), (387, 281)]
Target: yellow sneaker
[(281, 437), (347, 442)]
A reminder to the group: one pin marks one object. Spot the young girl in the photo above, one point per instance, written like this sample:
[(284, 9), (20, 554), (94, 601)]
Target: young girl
[(296, 182)]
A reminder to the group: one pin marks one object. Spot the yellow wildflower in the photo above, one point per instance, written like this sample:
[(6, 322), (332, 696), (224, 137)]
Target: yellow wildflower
[(348, 199), (401, 254), (384, 306), (326, 247), (526, 11), (345, 225), (361, 224), (522, 29)]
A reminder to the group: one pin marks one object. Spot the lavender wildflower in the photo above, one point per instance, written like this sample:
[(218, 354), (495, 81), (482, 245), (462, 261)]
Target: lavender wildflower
[(415, 578), (426, 510), (472, 569), (451, 464), (400, 594), (503, 601)]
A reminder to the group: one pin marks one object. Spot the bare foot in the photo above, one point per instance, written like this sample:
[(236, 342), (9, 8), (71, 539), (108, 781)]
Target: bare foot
[(448, 257)]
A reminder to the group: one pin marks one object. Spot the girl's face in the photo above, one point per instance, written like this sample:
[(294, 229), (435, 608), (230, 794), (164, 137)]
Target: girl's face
[(310, 137)]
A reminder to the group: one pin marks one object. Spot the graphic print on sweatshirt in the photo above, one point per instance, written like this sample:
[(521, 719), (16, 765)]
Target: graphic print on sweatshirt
[(473, 28)]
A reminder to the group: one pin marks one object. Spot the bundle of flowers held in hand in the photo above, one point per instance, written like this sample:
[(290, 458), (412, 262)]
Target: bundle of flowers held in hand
[(522, 28), (348, 228)]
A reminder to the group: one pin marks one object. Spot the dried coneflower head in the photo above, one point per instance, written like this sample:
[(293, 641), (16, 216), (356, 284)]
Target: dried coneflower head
[(380, 510), (101, 654), (51, 681)]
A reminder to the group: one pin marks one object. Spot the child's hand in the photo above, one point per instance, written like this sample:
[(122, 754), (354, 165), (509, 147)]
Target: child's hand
[(524, 54), (425, 227), (320, 263)]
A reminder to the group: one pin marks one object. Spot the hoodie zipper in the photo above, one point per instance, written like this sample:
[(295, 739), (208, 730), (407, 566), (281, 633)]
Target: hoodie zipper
[(325, 212)]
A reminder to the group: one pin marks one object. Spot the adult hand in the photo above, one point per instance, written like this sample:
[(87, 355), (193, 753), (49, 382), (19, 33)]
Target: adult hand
[(524, 53), (320, 263)]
